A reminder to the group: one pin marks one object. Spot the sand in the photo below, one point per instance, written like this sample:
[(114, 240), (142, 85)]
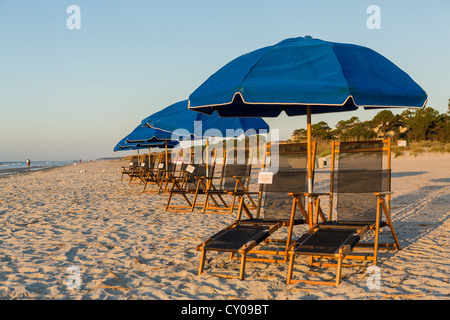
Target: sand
[(78, 232)]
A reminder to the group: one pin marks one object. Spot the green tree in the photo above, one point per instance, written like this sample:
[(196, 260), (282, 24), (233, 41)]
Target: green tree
[(443, 128), (321, 131), (421, 123), (343, 126), (416, 125), (385, 124), (354, 129), (299, 134)]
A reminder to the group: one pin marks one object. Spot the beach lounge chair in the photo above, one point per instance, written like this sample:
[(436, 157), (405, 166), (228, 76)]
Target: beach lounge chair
[(140, 166), (191, 182), (136, 170), (170, 172), (131, 167), (146, 166), (360, 191), (276, 208), (155, 176), (150, 174), (234, 178)]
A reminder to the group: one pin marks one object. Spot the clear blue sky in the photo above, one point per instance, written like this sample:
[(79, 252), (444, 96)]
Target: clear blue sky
[(73, 94)]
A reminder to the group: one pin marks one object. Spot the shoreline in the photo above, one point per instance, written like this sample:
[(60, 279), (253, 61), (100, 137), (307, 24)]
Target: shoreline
[(22, 171)]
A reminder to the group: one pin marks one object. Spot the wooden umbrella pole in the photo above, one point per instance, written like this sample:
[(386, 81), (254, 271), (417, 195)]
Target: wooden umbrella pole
[(149, 158), (167, 161), (309, 164), (207, 157)]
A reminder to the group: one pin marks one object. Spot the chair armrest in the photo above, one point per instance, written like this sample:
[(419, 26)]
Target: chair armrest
[(383, 194), (242, 192), (308, 194)]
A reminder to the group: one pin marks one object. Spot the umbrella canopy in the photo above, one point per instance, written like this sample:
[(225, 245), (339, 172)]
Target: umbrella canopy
[(144, 138), (301, 72), (124, 145), (177, 118), (147, 138), (304, 76), (145, 134)]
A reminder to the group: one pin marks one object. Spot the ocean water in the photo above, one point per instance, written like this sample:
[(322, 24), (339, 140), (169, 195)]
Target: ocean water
[(14, 167)]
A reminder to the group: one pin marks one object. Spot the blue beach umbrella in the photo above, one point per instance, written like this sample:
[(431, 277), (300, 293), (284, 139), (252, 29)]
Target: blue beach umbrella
[(125, 145), (306, 76), (143, 137), (145, 134), (301, 72), (179, 121), (146, 138)]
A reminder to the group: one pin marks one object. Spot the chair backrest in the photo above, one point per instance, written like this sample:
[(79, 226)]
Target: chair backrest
[(169, 167), (233, 167), (290, 176), (134, 162), (151, 161), (145, 162), (193, 169), (357, 173), (290, 155), (196, 170), (163, 167), (231, 170)]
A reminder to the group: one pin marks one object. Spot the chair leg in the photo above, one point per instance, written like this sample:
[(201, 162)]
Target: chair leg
[(195, 196), (291, 268), (205, 205), (232, 205), (202, 262), (390, 224), (377, 231), (338, 271), (145, 186), (242, 271), (168, 201)]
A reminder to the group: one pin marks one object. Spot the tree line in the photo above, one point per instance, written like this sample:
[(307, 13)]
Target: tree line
[(412, 125)]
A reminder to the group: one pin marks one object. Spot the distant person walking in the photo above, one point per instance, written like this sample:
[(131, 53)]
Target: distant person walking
[(28, 162)]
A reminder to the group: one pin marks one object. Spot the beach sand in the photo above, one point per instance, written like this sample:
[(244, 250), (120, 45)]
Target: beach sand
[(83, 223)]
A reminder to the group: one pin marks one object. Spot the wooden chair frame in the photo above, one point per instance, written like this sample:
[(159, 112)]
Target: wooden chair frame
[(146, 166), (154, 176), (133, 170), (345, 252), (296, 205), (215, 193), (250, 248), (167, 176), (383, 206), (180, 186), (127, 170), (339, 256), (243, 251)]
